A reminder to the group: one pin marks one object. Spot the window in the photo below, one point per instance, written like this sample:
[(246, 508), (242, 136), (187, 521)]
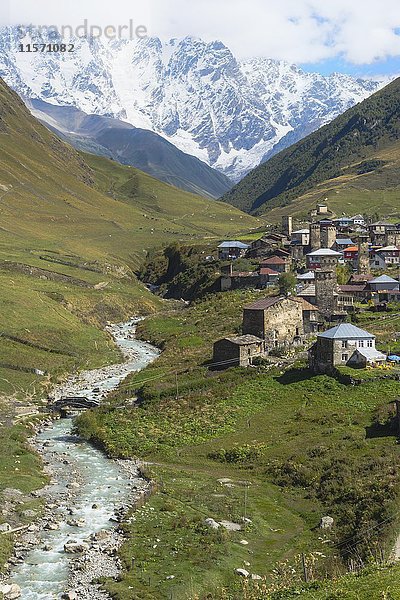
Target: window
[(344, 344), (345, 357), (369, 344), (361, 344)]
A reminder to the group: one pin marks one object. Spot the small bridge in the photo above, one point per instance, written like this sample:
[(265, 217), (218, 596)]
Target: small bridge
[(74, 403)]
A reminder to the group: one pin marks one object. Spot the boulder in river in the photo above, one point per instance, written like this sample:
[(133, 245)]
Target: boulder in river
[(74, 547), (10, 592)]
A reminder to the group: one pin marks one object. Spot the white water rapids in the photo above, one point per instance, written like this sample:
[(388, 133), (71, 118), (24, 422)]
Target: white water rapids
[(99, 485)]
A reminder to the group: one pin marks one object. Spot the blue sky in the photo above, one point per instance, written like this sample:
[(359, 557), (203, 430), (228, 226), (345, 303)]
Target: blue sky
[(390, 66)]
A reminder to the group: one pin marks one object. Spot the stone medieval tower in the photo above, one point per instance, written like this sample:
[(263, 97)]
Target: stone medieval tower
[(328, 236), (287, 225), (315, 236), (363, 266), (326, 286)]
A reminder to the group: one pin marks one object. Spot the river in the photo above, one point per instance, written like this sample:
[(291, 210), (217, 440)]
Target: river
[(85, 495)]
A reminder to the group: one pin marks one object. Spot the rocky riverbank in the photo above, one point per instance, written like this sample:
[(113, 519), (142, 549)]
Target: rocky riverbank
[(76, 540)]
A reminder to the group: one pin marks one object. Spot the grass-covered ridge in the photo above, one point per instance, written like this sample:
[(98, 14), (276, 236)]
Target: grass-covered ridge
[(74, 229), (358, 149)]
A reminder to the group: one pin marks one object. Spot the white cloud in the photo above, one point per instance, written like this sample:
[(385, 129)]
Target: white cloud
[(361, 31)]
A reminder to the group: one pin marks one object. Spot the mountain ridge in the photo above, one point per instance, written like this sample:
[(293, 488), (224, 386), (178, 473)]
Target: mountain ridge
[(228, 113), (129, 145), (346, 151)]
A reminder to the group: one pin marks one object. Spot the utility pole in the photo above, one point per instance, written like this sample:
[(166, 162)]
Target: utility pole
[(245, 504), (303, 562), (176, 385)]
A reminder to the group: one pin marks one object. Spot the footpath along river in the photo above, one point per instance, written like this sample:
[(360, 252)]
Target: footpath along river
[(75, 542)]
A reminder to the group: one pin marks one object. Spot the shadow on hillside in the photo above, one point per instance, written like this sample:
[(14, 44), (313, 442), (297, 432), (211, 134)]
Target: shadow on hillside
[(380, 430), (294, 376)]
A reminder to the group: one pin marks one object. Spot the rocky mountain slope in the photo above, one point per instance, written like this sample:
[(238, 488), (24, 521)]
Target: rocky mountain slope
[(133, 146), (354, 161), (229, 114)]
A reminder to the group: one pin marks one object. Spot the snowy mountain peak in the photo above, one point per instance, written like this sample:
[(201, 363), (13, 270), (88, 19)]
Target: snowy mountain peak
[(196, 94)]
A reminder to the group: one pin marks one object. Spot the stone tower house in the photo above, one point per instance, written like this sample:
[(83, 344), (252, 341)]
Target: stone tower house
[(326, 296), (315, 236), (287, 225), (328, 236), (363, 266)]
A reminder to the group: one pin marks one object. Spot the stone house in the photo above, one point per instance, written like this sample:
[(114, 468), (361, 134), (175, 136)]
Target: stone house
[(311, 316), (231, 250), (377, 232), (277, 320), (343, 345), (237, 351), (268, 277), (235, 280), (301, 237), (325, 255), (304, 279), (276, 263)]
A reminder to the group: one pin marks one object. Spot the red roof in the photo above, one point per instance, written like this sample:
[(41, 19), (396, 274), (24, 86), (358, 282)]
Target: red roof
[(264, 303), (267, 271), (351, 249), (274, 260), (352, 288), (356, 277)]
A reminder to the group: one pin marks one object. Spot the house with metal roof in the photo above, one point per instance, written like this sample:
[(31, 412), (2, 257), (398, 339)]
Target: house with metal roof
[(325, 255), (383, 283), (344, 345), (386, 257), (232, 250)]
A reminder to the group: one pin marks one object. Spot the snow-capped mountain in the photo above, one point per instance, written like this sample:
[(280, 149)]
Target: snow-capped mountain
[(228, 113)]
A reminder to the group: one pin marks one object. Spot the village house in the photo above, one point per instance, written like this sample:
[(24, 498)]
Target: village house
[(350, 293), (277, 320), (386, 257), (232, 250), (344, 345), (268, 277), (322, 208), (268, 244), (342, 243), (276, 263), (311, 316), (350, 255), (343, 223), (300, 237), (305, 279), (234, 280), (237, 351), (358, 221), (315, 258), (377, 232), (383, 283)]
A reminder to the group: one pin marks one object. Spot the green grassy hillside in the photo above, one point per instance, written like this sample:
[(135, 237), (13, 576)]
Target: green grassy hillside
[(356, 156), (73, 229)]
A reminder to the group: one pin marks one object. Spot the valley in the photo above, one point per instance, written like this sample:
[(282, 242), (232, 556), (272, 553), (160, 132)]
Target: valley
[(260, 386)]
